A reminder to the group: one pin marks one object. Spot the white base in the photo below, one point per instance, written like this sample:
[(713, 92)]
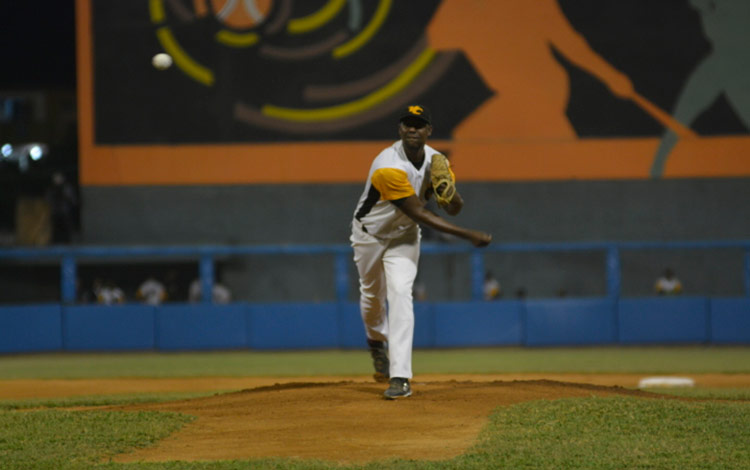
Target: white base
[(666, 382)]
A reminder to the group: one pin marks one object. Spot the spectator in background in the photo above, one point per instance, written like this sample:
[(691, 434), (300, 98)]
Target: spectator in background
[(521, 293), (420, 291), (220, 293), (88, 295), (491, 288), (151, 292), (668, 284), (108, 293), (63, 204)]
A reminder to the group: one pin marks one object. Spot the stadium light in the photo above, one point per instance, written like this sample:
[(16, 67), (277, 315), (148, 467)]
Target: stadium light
[(22, 153), (36, 152)]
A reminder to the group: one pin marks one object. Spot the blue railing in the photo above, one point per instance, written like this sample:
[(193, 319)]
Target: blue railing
[(70, 256)]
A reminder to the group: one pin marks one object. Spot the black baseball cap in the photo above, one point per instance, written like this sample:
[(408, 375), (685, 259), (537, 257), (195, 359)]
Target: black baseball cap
[(416, 111)]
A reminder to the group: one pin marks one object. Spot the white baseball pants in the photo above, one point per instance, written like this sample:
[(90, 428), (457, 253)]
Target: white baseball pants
[(387, 270)]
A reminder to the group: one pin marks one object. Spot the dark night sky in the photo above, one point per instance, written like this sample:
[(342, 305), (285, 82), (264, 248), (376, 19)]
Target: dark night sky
[(37, 44)]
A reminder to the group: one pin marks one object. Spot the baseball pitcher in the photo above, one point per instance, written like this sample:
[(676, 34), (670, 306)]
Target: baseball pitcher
[(386, 238)]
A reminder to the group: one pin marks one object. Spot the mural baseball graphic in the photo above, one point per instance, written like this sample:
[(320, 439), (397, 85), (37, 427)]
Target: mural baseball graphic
[(525, 90)]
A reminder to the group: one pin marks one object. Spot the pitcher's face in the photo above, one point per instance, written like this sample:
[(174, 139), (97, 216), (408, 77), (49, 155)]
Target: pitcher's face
[(414, 132)]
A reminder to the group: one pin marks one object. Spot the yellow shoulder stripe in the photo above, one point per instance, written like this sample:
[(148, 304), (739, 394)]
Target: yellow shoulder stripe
[(392, 184)]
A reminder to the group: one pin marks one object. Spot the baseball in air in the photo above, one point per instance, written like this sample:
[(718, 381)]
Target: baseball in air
[(162, 61)]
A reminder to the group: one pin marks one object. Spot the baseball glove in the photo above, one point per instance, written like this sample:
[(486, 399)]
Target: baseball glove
[(443, 182)]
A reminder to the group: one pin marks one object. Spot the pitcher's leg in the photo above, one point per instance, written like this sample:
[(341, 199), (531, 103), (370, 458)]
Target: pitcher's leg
[(401, 269), (372, 306), (368, 253)]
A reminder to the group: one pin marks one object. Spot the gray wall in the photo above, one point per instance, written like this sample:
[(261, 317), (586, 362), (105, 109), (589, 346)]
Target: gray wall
[(674, 209)]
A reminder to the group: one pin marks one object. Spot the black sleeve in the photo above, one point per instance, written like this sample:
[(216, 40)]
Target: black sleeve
[(398, 202)]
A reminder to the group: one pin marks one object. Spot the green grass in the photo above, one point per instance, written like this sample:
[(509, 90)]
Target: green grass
[(647, 360), (650, 360), (617, 433), (596, 433), (705, 393), (592, 433), (61, 440), (101, 400)]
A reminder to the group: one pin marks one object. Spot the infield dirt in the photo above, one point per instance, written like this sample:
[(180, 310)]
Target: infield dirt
[(335, 418)]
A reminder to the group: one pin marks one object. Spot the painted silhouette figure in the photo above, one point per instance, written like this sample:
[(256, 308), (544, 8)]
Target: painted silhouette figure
[(725, 70), (511, 46)]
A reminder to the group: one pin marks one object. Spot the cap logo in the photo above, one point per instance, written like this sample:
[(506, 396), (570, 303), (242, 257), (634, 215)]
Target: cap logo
[(416, 110)]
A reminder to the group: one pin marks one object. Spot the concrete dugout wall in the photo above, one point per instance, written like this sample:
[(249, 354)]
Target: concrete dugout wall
[(549, 211)]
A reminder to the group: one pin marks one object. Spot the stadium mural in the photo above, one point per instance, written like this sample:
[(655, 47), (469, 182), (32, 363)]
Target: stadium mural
[(271, 91)]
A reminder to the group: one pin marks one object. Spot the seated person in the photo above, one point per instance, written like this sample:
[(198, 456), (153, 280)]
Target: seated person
[(668, 284)]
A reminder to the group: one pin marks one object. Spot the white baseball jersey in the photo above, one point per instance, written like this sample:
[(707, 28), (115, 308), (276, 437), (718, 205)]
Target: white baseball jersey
[(392, 176), (668, 286), (152, 292)]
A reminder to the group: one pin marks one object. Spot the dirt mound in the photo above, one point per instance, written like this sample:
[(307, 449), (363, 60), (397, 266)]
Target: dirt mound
[(348, 421)]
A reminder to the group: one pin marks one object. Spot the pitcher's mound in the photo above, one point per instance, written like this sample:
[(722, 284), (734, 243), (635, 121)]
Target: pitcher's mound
[(347, 422)]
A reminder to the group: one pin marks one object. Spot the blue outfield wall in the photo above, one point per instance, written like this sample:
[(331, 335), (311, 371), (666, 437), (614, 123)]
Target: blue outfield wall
[(117, 328), (554, 322), (571, 322), (193, 326), (730, 321), (665, 320), (478, 323), (31, 328), (292, 326)]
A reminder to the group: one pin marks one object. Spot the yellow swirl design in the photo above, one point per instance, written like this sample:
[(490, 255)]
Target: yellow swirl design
[(356, 106), (367, 33), (317, 19)]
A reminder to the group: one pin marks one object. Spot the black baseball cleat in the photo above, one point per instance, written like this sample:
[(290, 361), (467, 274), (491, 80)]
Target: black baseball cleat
[(379, 360), (399, 388)]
